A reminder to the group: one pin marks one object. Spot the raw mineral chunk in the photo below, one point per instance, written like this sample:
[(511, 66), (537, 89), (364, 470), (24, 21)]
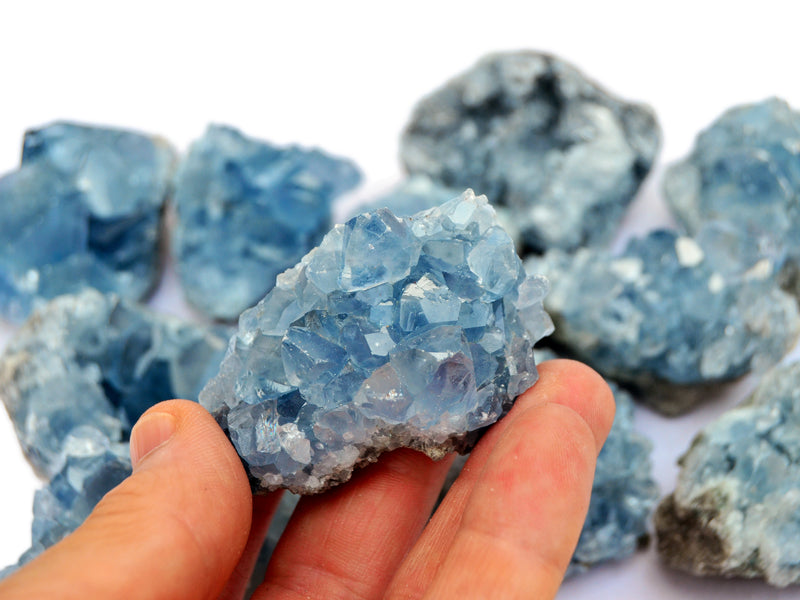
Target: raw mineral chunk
[(97, 362), (92, 467), (624, 494), (745, 168), (83, 210), (672, 315), (735, 509), (413, 332), (247, 211), (531, 132)]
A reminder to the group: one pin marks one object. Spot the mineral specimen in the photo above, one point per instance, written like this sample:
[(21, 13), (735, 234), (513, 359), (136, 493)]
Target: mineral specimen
[(672, 315), (624, 494), (415, 332), (92, 467), (246, 211), (94, 361), (735, 509), (531, 132), (83, 210), (745, 168)]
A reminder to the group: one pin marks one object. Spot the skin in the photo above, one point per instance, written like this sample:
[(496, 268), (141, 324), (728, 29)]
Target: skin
[(185, 526)]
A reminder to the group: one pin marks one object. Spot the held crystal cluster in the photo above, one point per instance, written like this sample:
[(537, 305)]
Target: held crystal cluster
[(735, 509), (246, 211), (413, 332), (531, 132), (745, 169), (93, 361), (83, 210), (672, 315)]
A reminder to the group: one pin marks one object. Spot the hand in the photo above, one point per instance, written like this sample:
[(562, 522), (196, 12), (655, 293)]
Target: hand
[(184, 525)]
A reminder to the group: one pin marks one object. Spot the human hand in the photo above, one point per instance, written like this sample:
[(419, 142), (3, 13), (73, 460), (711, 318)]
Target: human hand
[(185, 526)]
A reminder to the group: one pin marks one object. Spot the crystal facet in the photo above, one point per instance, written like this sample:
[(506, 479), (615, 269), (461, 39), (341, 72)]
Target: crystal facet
[(93, 361), (735, 509), (672, 315), (83, 210), (391, 333), (531, 132), (246, 211)]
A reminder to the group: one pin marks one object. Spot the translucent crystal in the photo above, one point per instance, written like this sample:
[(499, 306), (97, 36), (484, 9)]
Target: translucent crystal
[(83, 210), (393, 332), (734, 509), (531, 132), (246, 211), (672, 315)]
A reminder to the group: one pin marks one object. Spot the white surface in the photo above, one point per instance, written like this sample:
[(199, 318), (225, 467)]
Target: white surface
[(344, 76)]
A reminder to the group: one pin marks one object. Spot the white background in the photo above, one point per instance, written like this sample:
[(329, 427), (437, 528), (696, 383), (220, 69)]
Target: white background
[(344, 76)]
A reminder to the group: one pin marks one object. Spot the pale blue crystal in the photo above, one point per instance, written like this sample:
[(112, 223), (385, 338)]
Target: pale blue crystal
[(531, 132), (83, 210), (393, 332), (246, 211), (93, 360), (672, 314), (745, 169), (734, 511)]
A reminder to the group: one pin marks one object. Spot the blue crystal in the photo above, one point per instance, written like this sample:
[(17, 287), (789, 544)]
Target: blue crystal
[(246, 211), (379, 339), (83, 210), (413, 195), (745, 169), (531, 132), (672, 315), (734, 509), (98, 362)]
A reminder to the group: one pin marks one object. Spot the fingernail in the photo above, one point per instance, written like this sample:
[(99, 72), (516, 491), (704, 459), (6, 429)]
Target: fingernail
[(150, 432)]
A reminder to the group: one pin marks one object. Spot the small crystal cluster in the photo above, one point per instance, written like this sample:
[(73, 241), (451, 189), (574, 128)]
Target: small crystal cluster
[(415, 332), (75, 378), (671, 315), (246, 211), (83, 210), (93, 360), (531, 132), (745, 169), (735, 509)]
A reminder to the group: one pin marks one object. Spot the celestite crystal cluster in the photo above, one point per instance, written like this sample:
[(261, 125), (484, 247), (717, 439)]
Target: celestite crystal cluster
[(415, 332), (672, 315), (532, 133), (735, 509), (247, 211), (76, 377), (745, 169), (82, 211)]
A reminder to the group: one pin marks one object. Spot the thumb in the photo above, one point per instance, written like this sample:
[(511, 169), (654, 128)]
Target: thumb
[(174, 529)]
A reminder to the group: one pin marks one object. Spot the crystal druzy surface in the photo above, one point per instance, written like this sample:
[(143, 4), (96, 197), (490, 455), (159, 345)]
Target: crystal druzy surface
[(413, 332), (671, 315), (247, 211), (735, 509), (745, 168), (531, 132), (83, 210), (93, 361)]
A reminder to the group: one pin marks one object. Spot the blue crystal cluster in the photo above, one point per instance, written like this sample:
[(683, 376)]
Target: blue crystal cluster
[(624, 493), (95, 361), (246, 211), (75, 378), (531, 132), (672, 315), (412, 332), (735, 509), (83, 210), (745, 169)]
